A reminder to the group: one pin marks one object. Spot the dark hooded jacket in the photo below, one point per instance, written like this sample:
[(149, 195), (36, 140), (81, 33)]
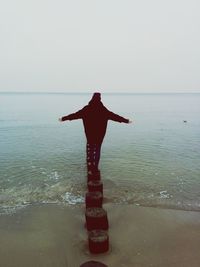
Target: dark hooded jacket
[(95, 117)]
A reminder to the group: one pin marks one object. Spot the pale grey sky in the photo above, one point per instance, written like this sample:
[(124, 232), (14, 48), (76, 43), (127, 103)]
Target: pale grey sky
[(100, 45)]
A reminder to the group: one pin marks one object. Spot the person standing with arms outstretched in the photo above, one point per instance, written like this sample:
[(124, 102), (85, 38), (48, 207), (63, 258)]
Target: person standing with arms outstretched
[(95, 117)]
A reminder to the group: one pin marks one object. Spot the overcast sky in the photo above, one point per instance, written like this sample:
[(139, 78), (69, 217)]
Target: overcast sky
[(100, 45)]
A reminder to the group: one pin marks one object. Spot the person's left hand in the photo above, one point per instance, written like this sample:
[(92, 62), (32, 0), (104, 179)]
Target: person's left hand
[(60, 119)]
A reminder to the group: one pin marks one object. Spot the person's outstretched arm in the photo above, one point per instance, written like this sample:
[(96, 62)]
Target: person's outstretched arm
[(114, 117), (74, 116)]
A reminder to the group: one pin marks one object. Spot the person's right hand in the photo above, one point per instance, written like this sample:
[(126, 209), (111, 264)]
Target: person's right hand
[(130, 121), (60, 119)]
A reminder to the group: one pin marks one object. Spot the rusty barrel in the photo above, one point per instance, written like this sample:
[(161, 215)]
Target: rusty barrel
[(95, 185), (96, 218), (98, 241), (93, 264), (93, 199)]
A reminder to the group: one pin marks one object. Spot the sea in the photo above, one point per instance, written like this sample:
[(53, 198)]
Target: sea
[(154, 161)]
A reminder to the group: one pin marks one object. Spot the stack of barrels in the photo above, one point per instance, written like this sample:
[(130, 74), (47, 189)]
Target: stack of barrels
[(96, 216)]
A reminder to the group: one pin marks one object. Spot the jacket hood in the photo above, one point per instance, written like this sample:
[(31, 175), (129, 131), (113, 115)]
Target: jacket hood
[(96, 99)]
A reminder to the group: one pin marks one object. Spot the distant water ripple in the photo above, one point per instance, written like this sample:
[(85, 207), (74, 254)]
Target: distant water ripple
[(153, 162)]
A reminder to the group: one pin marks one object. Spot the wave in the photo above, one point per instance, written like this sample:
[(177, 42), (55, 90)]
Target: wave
[(68, 193)]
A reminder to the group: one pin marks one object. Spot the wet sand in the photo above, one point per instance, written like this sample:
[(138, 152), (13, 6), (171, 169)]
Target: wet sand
[(50, 235)]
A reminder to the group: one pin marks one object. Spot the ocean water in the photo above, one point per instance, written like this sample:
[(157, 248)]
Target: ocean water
[(155, 161)]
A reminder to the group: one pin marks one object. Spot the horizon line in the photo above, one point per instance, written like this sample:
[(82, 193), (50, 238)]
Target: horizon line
[(64, 92)]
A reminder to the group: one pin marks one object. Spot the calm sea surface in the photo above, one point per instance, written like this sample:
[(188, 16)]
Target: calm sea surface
[(153, 162)]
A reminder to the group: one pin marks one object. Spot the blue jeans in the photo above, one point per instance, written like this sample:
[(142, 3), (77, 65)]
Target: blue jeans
[(93, 152)]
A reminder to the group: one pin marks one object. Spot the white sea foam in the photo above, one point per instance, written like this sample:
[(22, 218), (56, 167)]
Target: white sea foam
[(164, 194), (72, 199)]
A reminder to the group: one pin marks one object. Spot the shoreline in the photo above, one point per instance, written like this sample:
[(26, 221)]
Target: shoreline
[(8, 210), (54, 235)]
